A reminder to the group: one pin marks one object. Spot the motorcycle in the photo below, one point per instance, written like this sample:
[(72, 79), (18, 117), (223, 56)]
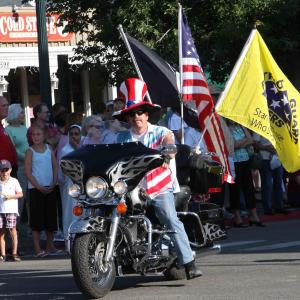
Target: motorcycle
[(117, 232), (200, 174)]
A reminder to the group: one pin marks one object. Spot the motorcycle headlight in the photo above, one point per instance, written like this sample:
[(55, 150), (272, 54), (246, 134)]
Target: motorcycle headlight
[(120, 187), (74, 191), (96, 187)]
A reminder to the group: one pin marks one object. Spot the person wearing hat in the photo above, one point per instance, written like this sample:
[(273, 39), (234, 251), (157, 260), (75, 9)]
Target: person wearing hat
[(161, 182), (10, 192)]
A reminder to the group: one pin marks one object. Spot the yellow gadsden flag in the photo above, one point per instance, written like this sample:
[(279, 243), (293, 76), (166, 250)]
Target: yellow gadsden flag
[(260, 97)]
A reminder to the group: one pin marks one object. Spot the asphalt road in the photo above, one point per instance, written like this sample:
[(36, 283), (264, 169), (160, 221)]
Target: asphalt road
[(255, 263)]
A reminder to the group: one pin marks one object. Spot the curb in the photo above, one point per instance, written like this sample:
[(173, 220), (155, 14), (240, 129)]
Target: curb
[(281, 217), (290, 215)]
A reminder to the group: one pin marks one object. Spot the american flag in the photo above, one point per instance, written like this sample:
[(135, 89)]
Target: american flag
[(194, 87)]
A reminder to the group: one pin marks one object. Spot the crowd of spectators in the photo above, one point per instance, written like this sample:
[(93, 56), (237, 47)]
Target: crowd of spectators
[(33, 155)]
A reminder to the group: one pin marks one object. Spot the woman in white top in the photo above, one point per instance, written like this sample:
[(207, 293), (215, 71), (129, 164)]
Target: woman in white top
[(41, 172)]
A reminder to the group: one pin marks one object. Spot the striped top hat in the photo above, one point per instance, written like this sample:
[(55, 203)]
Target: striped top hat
[(133, 91)]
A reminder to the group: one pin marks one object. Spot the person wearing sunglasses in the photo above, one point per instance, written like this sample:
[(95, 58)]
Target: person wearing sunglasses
[(160, 183), (91, 130)]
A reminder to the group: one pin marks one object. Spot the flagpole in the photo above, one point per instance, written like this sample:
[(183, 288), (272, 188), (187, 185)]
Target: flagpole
[(180, 68), (236, 68), (124, 38)]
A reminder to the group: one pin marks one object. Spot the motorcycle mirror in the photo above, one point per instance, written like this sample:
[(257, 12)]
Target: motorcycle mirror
[(169, 149)]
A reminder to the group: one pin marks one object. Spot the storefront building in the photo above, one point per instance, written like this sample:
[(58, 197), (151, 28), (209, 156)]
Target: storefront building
[(79, 89)]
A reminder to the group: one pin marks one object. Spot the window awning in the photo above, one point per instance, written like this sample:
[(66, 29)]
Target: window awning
[(14, 57)]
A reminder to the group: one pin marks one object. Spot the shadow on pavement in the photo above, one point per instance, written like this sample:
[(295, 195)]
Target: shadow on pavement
[(37, 284), (42, 284), (136, 281)]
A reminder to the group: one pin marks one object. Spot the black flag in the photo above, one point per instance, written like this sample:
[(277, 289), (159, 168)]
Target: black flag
[(160, 78)]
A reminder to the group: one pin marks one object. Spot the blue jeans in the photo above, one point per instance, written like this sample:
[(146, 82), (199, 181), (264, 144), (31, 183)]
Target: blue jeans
[(165, 211), (271, 181)]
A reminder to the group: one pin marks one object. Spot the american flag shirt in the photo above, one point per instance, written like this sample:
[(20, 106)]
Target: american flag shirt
[(159, 180)]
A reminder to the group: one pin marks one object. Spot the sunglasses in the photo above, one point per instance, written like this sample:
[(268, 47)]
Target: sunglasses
[(136, 112), (4, 170), (95, 126)]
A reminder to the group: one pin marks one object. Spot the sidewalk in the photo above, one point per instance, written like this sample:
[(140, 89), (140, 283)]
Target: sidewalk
[(292, 212), (26, 244)]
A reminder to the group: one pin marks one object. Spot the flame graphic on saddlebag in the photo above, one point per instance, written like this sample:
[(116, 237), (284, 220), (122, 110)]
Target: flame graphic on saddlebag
[(131, 168)]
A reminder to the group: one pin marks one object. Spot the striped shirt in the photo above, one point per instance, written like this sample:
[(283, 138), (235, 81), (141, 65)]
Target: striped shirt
[(159, 180)]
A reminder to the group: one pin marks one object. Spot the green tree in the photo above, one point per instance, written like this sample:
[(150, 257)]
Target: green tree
[(219, 27)]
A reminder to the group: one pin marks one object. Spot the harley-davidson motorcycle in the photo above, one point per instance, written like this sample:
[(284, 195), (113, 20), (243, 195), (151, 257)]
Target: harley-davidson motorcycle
[(117, 232)]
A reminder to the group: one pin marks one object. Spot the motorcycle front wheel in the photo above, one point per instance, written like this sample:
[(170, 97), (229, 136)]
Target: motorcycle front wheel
[(93, 277)]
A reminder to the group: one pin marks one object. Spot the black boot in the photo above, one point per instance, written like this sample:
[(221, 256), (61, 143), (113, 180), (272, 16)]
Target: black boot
[(191, 270)]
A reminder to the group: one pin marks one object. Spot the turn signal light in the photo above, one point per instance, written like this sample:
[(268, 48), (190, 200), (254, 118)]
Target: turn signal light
[(121, 208), (77, 210)]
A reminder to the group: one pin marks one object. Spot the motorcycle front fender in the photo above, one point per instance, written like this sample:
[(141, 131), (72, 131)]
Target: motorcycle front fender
[(90, 224)]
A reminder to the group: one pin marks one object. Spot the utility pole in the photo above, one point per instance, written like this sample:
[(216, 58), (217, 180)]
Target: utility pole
[(45, 81)]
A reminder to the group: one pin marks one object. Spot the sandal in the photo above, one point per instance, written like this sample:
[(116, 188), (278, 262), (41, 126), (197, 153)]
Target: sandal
[(41, 254), (16, 258), (55, 252)]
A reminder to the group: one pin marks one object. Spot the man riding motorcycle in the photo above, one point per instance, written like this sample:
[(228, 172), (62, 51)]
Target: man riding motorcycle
[(161, 182)]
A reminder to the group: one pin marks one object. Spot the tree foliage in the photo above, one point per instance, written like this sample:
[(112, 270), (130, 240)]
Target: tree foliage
[(219, 27)]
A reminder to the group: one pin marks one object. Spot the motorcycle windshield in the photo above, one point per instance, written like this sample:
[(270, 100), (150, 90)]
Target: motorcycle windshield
[(128, 162)]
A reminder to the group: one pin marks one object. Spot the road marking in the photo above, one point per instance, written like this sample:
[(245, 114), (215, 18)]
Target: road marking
[(20, 272), (41, 294), (241, 243), (273, 246)]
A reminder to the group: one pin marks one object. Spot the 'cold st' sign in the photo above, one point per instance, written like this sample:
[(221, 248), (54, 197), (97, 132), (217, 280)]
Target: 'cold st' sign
[(22, 27)]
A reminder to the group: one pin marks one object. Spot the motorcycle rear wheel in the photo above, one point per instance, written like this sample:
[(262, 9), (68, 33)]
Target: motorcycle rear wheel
[(91, 276)]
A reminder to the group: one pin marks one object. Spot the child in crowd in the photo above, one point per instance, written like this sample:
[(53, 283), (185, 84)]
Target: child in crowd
[(41, 172), (10, 192)]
